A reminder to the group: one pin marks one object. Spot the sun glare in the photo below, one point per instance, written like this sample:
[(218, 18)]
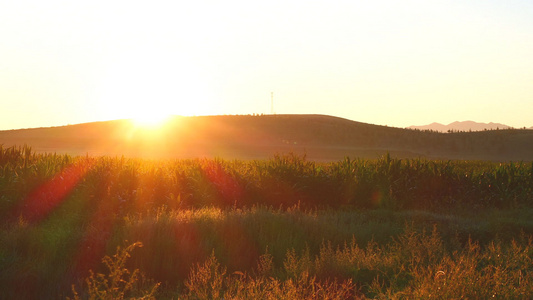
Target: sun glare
[(149, 126), (150, 120), (148, 92)]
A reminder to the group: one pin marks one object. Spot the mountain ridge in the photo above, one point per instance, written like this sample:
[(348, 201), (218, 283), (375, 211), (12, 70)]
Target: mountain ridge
[(319, 137), (461, 126)]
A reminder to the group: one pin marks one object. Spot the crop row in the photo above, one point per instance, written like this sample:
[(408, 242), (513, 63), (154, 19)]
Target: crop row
[(284, 180)]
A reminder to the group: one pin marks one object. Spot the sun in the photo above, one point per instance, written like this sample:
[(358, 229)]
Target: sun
[(149, 126), (148, 91)]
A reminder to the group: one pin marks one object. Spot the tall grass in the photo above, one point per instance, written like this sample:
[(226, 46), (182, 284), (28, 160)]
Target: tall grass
[(284, 228), (415, 265)]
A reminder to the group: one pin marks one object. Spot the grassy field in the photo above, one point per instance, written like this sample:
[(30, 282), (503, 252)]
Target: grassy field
[(282, 228)]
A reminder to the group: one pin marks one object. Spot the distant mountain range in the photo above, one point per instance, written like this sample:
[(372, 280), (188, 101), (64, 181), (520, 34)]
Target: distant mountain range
[(462, 126), (319, 137)]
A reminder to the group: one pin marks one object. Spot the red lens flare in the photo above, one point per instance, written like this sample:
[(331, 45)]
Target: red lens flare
[(45, 198)]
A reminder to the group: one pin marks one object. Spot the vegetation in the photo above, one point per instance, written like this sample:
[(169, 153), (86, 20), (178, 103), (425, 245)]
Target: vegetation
[(283, 228)]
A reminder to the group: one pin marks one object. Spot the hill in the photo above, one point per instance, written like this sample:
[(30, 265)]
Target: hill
[(320, 137), (461, 126)]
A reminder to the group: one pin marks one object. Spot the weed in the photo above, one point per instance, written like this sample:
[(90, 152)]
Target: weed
[(119, 282)]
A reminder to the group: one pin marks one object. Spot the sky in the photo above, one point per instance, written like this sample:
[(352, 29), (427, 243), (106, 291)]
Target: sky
[(394, 63)]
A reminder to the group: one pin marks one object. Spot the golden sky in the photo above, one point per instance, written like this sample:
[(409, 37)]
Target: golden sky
[(396, 63)]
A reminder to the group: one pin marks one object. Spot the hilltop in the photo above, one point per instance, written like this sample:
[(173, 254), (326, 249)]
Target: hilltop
[(320, 137)]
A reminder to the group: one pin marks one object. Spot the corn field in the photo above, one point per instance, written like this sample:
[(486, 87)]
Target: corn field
[(286, 227)]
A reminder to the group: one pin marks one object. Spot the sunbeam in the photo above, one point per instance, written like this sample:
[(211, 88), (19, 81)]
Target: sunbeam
[(43, 199)]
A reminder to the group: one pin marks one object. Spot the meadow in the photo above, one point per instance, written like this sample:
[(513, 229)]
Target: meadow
[(88, 227)]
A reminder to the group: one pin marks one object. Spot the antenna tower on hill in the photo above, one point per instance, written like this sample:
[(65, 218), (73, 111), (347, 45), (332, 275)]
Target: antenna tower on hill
[(272, 103)]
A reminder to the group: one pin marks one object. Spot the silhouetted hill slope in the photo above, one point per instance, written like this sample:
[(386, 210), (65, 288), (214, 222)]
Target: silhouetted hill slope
[(249, 137), (461, 126)]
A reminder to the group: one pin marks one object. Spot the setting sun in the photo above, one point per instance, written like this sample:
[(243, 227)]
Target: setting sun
[(149, 91)]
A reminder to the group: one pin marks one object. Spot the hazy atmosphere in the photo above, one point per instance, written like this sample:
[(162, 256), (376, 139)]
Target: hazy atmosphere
[(396, 63), (238, 149)]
